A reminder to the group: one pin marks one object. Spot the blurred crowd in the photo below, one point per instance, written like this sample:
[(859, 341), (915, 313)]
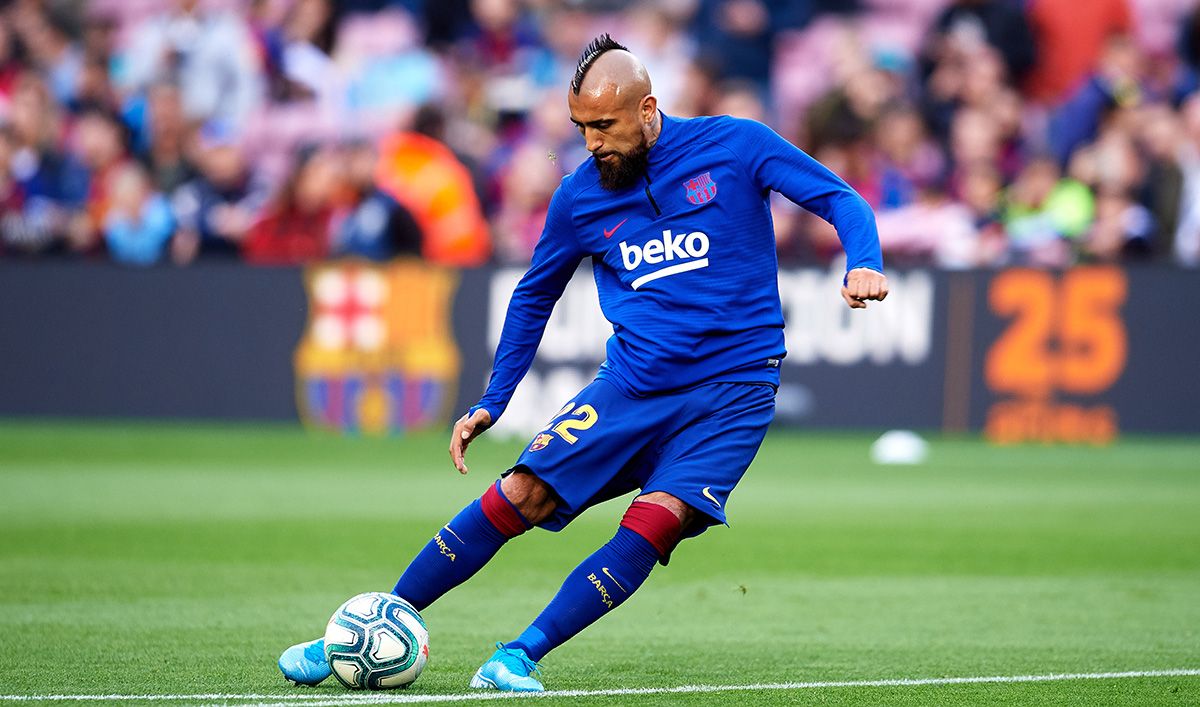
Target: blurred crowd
[(984, 132)]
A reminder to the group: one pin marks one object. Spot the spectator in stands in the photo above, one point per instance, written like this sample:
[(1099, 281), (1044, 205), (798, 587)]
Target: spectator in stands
[(215, 209), (165, 133), (374, 225), (1043, 212), (52, 52), (933, 230), (14, 236), (1188, 78), (741, 35), (210, 55), (981, 188), (906, 159), (265, 20), (1187, 233), (294, 228), (384, 72), (741, 100), (307, 38), (1160, 137), (558, 140), (504, 61), (866, 85), (1069, 37), (93, 90), (1007, 110), (426, 177), (507, 45), (527, 185), (697, 94), (656, 32), (101, 141), (965, 75), (1115, 83), (975, 139), (965, 24), (139, 223), (54, 182), (1123, 229), (11, 65), (1110, 164), (99, 40)]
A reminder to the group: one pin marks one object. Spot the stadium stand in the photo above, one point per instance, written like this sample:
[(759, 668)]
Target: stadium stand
[(163, 131)]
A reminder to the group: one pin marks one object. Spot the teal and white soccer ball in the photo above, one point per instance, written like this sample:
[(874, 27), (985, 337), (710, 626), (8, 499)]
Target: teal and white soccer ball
[(376, 641)]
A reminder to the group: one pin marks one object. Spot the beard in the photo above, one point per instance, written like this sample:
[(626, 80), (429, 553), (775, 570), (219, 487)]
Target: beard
[(625, 170)]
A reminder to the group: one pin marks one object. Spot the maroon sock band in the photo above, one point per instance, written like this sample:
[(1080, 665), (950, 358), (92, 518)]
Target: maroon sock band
[(657, 524), (503, 514)]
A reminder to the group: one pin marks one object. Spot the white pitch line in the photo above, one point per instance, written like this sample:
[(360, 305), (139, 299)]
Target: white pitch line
[(315, 700)]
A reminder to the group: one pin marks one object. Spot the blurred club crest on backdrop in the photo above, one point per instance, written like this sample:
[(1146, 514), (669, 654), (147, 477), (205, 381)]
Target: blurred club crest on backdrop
[(378, 354)]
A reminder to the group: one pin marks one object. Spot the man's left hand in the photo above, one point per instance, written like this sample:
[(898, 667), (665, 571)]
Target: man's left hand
[(864, 284)]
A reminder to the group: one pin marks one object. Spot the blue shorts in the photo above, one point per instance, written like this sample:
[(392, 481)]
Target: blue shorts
[(694, 445)]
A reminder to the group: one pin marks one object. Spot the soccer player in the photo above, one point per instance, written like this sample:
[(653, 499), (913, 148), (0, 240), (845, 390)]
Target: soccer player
[(675, 216)]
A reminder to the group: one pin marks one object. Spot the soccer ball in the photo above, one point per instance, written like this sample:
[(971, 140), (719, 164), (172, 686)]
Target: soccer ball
[(376, 641)]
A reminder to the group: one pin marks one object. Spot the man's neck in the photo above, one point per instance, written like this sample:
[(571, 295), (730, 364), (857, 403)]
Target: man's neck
[(655, 129)]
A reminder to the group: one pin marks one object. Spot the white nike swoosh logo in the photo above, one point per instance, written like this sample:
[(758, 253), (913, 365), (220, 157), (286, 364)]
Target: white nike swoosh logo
[(709, 496), (614, 579), (446, 527)]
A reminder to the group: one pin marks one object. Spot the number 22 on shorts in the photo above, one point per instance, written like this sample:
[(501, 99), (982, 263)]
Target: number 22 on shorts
[(576, 418)]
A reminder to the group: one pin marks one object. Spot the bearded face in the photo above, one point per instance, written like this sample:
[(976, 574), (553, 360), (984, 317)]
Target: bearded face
[(616, 116), (619, 171)]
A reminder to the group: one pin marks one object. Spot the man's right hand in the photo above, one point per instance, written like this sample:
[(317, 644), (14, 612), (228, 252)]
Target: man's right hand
[(466, 429), (864, 284)]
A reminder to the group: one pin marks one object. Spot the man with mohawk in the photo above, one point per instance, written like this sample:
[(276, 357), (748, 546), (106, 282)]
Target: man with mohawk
[(675, 216)]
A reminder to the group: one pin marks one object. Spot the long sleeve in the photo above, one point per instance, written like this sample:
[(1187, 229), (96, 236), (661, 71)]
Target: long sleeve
[(555, 260), (774, 163)]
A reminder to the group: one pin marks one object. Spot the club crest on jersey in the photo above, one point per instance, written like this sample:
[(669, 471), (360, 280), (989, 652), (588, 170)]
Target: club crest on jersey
[(701, 189), (540, 442)]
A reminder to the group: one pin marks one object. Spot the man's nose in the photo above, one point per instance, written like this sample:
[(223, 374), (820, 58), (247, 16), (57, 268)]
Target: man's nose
[(594, 142)]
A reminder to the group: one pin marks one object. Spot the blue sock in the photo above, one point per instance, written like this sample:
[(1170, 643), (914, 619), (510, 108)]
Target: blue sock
[(597, 586), (460, 549)]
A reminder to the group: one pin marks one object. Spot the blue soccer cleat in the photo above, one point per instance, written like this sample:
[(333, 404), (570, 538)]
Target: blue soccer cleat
[(304, 663), (508, 670)]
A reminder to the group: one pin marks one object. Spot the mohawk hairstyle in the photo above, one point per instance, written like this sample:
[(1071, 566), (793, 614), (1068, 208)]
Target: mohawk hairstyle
[(599, 45)]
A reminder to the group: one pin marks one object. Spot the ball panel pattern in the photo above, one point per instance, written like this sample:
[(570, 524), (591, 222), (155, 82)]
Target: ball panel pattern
[(376, 641)]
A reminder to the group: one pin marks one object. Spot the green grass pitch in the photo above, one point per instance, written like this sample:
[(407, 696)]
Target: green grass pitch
[(153, 559)]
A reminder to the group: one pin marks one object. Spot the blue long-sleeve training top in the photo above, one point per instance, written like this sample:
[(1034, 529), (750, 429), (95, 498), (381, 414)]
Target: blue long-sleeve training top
[(684, 262)]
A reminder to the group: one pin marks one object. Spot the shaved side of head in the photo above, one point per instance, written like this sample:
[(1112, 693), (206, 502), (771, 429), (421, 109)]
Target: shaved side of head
[(592, 52), (605, 66), (618, 73)]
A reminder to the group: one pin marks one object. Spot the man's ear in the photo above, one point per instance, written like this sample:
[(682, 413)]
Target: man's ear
[(649, 109)]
